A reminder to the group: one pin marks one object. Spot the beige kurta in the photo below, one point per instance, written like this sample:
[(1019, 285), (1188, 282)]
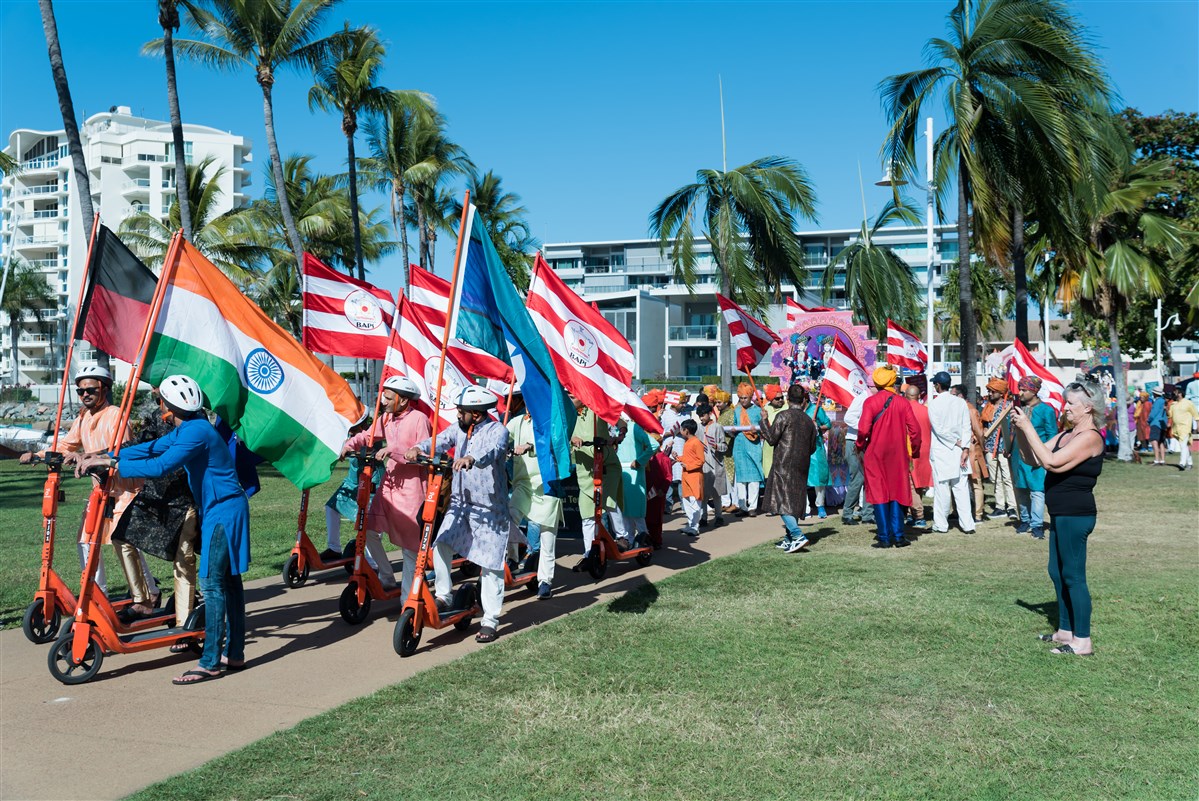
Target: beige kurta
[(90, 433)]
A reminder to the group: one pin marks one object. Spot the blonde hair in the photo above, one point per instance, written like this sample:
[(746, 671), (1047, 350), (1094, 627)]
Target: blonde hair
[(1094, 395)]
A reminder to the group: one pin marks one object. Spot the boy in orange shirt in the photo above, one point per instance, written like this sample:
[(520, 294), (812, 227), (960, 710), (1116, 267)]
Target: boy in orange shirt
[(692, 461)]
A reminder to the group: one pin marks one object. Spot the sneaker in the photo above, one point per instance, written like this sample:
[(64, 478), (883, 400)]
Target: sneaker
[(820, 511), (797, 545), (443, 605), (849, 521), (880, 544), (1023, 528), (902, 543), (328, 555), (784, 543), (918, 523), (1038, 533), (690, 532), (998, 514), (544, 591), (622, 543), (1011, 514)]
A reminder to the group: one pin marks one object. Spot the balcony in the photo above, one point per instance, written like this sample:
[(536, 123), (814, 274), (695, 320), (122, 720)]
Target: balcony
[(41, 240), (705, 333), (45, 189), (136, 186), (45, 214), (603, 289), (40, 163), (46, 264)]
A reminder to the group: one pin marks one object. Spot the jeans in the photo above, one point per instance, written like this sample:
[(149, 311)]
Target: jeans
[(853, 493), (889, 517), (1068, 571), (1032, 507), (792, 526), (224, 606)]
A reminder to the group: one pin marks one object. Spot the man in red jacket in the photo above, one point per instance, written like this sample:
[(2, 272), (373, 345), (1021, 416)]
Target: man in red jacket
[(886, 428)]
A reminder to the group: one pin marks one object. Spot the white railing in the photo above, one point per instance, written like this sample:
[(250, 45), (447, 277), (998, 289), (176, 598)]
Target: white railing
[(704, 332), (155, 157), (40, 239), (136, 183), (45, 214), (46, 189), (45, 264), (40, 163)]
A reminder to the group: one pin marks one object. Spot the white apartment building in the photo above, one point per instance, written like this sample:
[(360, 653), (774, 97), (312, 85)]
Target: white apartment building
[(675, 333), (131, 168)]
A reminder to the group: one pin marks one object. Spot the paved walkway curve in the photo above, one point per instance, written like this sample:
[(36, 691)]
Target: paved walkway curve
[(130, 727)]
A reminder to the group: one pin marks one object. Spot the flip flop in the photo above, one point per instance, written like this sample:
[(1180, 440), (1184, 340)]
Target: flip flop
[(204, 676), (1046, 638), (179, 648), (486, 634), (1066, 649)]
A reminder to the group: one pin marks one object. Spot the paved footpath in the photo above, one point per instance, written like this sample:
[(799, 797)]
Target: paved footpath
[(130, 727)]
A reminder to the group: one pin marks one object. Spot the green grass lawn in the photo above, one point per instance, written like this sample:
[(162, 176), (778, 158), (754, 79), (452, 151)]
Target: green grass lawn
[(273, 514), (844, 672)]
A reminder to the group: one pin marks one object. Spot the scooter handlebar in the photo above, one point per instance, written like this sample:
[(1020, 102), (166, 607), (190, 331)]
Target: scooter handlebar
[(443, 464)]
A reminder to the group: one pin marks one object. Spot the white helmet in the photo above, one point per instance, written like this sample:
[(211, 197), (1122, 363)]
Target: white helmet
[(476, 399), (402, 386), (182, 393), (94, 371)]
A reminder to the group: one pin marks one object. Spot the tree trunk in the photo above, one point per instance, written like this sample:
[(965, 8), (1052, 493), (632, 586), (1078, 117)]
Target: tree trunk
[(1125, 452), (272, 145), (422, 240), (1020, 273), (399, 193), (354, 209), (968, 341), (181, 188), (83, 186), (15, 331)]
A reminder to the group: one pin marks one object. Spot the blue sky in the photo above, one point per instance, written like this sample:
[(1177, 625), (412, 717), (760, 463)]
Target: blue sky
[(593, 112)]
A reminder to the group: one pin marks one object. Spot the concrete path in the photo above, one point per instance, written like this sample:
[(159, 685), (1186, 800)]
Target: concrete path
[(130, 727)]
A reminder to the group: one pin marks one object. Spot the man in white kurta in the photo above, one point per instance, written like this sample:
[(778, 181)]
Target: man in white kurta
[(529, 502), (949, 418)]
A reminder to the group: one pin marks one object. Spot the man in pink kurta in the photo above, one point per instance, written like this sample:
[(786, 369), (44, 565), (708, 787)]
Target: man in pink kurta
[(884, 433), (397, 503)]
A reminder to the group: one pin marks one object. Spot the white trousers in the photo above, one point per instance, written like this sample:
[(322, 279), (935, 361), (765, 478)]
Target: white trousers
[(619, 529), (548, 554), (693, 509), (588, 534), (375, 549), (747, 495), (491, 584), (332, 529), (957, 492), (1001, 474), (101, 574), (1184, 456)]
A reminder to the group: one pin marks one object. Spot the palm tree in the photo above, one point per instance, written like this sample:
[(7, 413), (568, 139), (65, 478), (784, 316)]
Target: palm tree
[(263, 35), (993, 303), (409, 151), (878, 283), (1126, 246), (505, 219), (9, 164), (1010, 72), (346, 81), (749, 219), (168, 20), (228, 240), (26, 291)]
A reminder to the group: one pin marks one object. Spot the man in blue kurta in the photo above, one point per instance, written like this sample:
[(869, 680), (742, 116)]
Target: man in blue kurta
[(747, 451), (1029, 481), (196, 447), (634, 451)]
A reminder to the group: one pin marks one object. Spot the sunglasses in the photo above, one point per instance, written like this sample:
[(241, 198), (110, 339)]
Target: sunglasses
[(81, 391)]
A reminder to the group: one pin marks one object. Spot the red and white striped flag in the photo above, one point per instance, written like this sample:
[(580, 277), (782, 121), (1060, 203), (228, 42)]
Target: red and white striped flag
[(594, 362), (429, 299), (795, 309), (640, 414), (751, 339), (342, 315), (844, 376), (416, 353), (904, 349), (1021, 363)]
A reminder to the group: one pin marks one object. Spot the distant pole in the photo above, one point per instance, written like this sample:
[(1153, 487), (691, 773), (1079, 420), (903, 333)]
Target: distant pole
[(932, 256), (862, 190), (724, 149)]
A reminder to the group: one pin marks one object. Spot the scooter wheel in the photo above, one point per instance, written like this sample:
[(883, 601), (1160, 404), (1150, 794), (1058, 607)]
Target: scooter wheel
[(292, 575), (405, 639), (351, 611), (643, 559), (349, 552), (63, 665), (35, 626), (465, 597), (596, 567)]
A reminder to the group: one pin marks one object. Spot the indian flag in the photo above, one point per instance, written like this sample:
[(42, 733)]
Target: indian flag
[(284, 404)]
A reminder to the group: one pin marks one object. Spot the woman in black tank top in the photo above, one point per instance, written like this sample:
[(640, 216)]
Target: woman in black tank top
[(1072, 462)]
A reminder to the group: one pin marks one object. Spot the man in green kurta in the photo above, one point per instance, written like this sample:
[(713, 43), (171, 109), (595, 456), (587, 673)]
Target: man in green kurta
[(589, 428), (529, 501)]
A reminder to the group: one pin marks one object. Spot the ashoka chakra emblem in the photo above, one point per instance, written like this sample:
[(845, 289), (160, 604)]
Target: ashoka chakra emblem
[(264, 374)]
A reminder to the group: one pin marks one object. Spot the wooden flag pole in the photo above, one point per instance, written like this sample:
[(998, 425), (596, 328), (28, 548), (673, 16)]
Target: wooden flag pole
[(66, 368), (449, 313)]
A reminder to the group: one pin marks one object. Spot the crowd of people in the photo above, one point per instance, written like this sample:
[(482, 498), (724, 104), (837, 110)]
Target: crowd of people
[(719, 457)]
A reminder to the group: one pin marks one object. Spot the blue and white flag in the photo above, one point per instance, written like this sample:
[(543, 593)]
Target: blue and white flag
[(490, 314)]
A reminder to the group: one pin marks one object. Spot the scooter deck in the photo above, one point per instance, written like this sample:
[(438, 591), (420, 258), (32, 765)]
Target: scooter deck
[(157, 634)]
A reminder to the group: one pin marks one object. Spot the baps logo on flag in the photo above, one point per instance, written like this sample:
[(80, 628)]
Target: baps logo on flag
[(581, 346), (263, 372), (363, 311), (909, 348), (857, 382), (452, 382)]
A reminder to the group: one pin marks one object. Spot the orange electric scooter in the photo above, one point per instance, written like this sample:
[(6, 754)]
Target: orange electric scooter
[(78, 653), (305, 557), (364, 586), (604, 548), (420, 608)]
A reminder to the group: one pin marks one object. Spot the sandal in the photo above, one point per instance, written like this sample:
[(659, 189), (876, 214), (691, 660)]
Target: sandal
[(180, 648), (232, 667), (1066, 649), (486, 634), (201, 677), (1046, 638)]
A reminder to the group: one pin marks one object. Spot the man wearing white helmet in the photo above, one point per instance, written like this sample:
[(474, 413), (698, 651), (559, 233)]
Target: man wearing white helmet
[(92, 432), (396, 505), (477, 523), (195, 446)]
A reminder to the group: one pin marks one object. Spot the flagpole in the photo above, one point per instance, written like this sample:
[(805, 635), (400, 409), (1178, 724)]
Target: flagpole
[(508, 403), (395, 325), (169, 265), (449, 312), (66, 368)]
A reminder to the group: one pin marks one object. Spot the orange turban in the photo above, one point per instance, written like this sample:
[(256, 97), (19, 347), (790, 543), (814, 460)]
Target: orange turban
[(772, 391), (710, 390), (652, 398), (745, 390), (997, 384), (885, 376)]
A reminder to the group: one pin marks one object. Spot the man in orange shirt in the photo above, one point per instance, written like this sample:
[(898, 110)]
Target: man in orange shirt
[(692, 461)]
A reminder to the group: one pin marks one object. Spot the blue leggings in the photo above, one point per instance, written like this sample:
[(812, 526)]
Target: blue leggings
[(889, 519), (1068, 570)]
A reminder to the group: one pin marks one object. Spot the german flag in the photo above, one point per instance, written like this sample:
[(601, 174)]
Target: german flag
[(117, 301)]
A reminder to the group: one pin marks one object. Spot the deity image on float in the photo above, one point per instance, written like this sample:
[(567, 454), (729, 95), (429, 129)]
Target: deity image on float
[(801, 356)]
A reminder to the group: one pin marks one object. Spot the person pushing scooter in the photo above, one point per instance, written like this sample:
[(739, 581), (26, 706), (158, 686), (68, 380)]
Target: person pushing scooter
[(477, 523)]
